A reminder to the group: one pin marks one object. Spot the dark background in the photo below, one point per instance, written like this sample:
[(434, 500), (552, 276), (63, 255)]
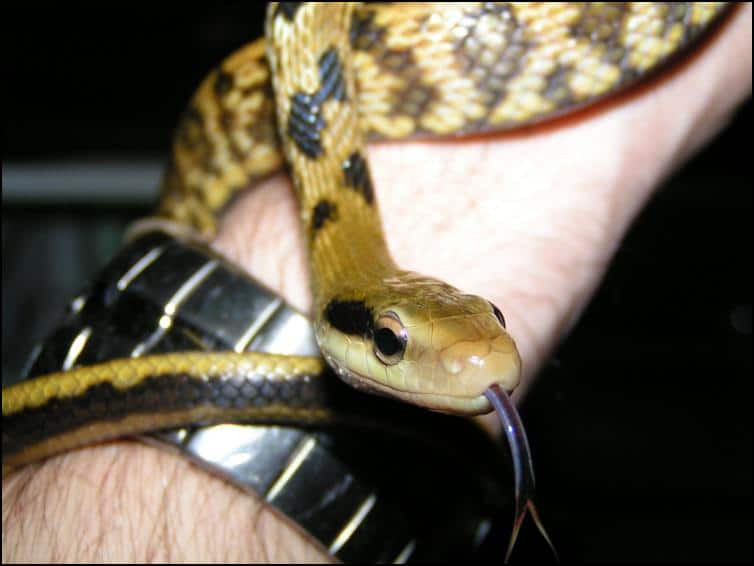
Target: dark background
[(640, 425)]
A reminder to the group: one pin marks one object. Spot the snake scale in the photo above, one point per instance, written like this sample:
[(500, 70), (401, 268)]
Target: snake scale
[(328, 78)]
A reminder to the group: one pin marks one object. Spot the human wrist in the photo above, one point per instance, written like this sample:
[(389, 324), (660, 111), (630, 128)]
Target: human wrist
[(127, 501)]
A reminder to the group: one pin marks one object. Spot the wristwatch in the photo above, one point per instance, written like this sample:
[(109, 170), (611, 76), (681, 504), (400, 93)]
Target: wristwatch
[(407, 485)]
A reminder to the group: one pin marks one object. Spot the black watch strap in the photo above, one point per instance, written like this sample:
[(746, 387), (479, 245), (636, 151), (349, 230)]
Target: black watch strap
[(424, 487)]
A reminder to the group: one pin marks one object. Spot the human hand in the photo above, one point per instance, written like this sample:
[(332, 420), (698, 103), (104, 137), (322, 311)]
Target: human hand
[(528, 219)]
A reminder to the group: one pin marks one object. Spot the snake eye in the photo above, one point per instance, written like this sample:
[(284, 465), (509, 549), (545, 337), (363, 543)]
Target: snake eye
[(390, 338), (498, 315)]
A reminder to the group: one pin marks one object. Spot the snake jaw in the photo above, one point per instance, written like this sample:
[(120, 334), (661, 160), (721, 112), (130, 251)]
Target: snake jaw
[(523, 468), (470, 405)]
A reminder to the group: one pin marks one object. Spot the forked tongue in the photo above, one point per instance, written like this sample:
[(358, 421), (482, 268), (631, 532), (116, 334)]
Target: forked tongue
[(523, 470)]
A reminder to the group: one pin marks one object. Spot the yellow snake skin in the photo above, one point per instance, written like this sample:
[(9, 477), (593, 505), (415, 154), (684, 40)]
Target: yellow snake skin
[(65, 410), (429, 69), (442, 347)]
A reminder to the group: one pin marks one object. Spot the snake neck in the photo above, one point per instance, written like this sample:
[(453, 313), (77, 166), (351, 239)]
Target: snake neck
[(325, 147), (347, 251)]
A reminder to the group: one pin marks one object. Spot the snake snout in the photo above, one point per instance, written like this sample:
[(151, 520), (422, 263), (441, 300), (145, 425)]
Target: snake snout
[(475, 365)]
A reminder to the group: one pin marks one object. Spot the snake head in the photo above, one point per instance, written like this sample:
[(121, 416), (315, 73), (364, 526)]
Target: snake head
[(421, 341)]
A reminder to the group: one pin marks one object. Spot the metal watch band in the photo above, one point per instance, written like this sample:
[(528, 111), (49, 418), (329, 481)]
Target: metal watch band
[(423, 487)]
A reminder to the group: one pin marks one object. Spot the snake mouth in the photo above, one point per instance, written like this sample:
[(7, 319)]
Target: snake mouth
[(470, 405)]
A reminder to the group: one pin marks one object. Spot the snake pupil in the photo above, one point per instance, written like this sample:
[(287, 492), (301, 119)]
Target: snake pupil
[(387, 342), (390, 338)]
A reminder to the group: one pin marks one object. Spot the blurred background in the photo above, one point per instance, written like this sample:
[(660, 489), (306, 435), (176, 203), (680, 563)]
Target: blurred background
[(640, 425)]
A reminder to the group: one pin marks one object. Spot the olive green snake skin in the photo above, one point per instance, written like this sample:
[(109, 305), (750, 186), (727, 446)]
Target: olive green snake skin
[(328, 78)]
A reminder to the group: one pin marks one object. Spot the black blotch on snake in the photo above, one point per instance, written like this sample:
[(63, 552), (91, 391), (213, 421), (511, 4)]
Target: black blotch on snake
[(350, 317), (223, 83), (363, 32), (305, 122), (331, 76), (356, 172), (324, 211), (288, 9), (189, 124)]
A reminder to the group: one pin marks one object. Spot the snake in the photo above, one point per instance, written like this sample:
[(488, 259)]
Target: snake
[(327, 79)]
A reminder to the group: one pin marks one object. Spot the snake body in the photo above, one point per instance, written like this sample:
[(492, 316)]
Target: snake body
[(428, 69), (328, 78)]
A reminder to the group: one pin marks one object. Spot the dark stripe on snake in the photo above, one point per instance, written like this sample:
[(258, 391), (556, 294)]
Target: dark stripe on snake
[(350, 317), (356, 173), (288, 9), (323, 211), (154, 395)]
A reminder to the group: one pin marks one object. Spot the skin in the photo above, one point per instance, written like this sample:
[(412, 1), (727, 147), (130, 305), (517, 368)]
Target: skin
[(543, 237)]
